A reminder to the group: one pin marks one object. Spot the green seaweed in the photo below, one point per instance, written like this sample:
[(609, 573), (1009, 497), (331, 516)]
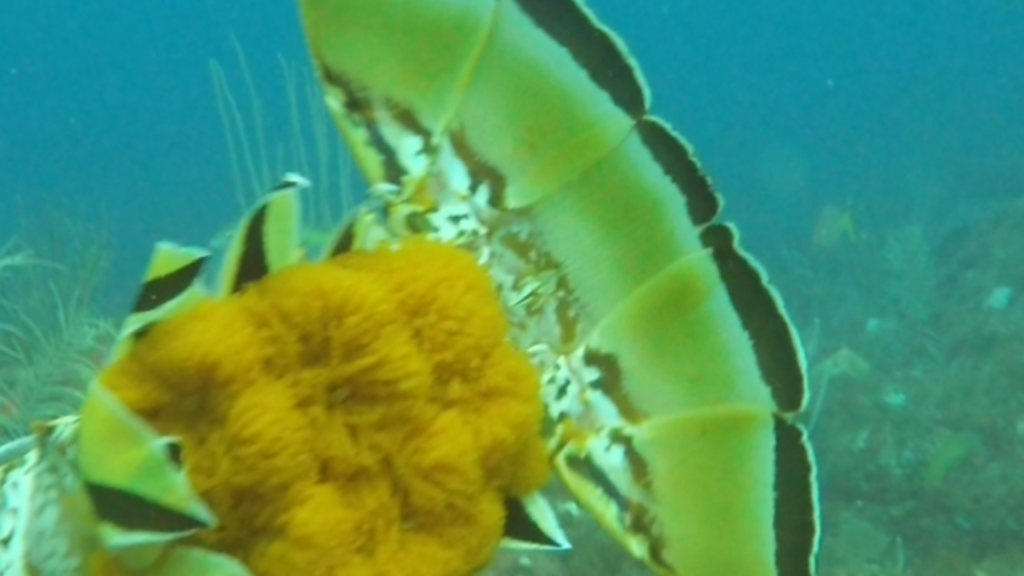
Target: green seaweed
[(950, 453)]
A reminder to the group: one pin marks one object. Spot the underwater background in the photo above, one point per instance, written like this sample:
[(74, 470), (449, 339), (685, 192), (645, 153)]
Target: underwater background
[(872, 154)]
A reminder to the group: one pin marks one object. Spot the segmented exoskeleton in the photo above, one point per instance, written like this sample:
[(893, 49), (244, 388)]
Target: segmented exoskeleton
[(520, 131)]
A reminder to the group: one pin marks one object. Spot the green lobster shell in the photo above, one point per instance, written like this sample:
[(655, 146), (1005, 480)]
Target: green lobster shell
[(518, 130)]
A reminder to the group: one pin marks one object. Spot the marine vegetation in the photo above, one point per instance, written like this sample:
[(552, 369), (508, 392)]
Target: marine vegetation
[(52, 336), (539, 284), (260, 149), (920, 457)]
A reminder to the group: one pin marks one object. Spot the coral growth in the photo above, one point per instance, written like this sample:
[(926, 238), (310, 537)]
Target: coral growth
[(929, 446), (360, 416)]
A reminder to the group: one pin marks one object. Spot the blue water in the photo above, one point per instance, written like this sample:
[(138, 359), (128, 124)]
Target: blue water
[(791, 104), (111, 104)]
